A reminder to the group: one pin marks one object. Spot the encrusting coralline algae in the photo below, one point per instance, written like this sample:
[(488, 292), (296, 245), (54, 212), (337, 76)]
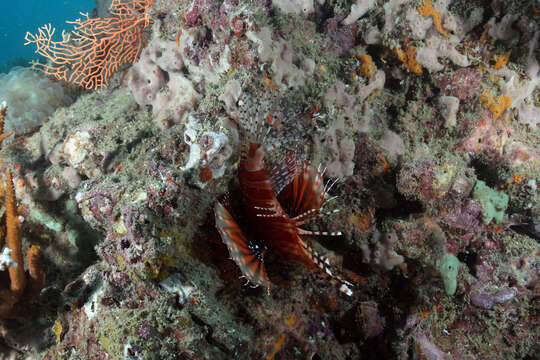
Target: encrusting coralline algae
[(425, 111)]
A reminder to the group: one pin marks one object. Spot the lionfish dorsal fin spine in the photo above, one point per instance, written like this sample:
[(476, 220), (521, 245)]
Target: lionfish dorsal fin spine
[(282, 176), (305, 192)]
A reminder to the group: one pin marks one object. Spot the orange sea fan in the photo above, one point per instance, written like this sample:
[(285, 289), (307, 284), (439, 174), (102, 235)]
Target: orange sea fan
[(89, 55)]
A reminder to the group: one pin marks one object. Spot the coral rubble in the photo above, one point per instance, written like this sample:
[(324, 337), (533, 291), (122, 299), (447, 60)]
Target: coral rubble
[(425, 112)]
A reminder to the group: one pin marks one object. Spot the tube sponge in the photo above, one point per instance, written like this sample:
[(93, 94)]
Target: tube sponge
[(31, 98), (449, 270)]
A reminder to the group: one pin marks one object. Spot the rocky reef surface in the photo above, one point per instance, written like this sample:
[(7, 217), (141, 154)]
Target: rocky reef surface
[(426, 111)]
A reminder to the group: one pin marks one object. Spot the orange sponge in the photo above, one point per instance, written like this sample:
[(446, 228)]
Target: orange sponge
[(427, 10), (496, 105)]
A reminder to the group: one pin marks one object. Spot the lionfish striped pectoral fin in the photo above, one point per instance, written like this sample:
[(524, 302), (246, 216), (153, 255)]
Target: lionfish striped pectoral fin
[(324, 265), (248, 256)]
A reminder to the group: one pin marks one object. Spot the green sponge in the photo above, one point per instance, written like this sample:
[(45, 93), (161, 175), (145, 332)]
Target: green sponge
[(494, 203), (449, 270)]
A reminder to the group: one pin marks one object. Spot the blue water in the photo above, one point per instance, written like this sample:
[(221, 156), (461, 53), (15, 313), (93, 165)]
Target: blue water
[(19, 16)]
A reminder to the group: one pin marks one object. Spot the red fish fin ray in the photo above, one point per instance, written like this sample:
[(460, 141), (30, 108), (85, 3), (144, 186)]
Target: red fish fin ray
[(315, 195), (282, 176), (305, 193), (311, 215), (248, 258), (300, 200), (323, 264), (318, 233), (282, 242)]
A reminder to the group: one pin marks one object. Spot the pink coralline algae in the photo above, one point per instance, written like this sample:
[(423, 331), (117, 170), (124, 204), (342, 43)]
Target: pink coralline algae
[(416, 180), (369, 319), (486, 300), (465, 216), (342, 37), (487, 138), (426, 349), (193, 16), (118, 188), (147, 332), (463, 83)]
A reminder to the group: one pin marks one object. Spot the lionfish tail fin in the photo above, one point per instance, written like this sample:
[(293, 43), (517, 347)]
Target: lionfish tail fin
[(324, 265), (248, 256)]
